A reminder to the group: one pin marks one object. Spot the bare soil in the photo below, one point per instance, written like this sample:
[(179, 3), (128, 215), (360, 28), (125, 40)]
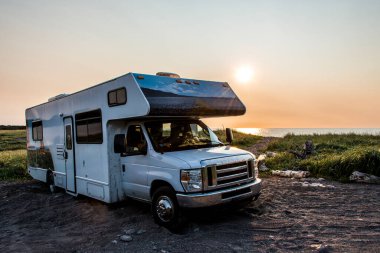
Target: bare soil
[(288, 217)]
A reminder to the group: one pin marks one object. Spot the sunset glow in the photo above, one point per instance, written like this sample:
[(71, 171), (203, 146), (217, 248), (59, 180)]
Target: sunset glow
[(244, 74), (292, 63)]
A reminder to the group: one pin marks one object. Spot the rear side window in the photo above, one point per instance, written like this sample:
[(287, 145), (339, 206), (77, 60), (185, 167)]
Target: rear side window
[(37, 131), (117, 97), (89, 127)]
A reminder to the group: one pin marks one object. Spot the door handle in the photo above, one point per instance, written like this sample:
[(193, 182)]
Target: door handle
[(123, 167), (65, 155)]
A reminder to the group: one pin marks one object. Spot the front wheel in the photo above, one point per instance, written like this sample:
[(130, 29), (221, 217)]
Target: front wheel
[(165, 209)]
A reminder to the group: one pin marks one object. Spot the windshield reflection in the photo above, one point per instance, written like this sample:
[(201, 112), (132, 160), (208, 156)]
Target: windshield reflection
[(174, 135)]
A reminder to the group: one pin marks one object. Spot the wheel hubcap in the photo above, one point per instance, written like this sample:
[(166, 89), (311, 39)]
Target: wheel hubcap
[(164, 208)]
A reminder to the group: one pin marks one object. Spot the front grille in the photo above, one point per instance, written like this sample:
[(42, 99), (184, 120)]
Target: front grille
[(227, 175), (230, 180), (232, 172)]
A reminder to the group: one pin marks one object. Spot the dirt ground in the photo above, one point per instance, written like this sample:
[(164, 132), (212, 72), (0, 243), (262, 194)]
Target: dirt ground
[(288, 217)]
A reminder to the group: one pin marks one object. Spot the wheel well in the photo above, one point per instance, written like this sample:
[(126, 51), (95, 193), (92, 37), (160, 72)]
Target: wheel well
[(156, 184)]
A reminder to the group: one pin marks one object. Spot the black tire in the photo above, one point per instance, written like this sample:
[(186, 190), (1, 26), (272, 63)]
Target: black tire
[(50, 181), (170, 217)]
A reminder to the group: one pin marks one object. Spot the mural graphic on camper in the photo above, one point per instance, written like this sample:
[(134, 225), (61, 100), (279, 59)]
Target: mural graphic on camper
[(172, 97)]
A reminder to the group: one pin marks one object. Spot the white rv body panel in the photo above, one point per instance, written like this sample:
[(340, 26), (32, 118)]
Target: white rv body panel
[(38, 173), (91, 173)]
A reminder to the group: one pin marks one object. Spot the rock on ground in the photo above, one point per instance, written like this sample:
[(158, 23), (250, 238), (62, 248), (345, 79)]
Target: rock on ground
[(126, 238), (364, 178), (291, 173)]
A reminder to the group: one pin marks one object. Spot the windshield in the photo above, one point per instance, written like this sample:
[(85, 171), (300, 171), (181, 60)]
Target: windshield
[(174, 135)]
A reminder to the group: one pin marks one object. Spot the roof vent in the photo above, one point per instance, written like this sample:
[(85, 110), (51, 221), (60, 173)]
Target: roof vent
[(57, 97), (168, 74)]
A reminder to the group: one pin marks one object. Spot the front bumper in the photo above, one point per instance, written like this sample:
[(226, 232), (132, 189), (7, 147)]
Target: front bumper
[(220, 197)]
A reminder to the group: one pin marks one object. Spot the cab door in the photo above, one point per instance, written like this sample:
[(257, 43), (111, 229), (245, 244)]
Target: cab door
[(135, 163)]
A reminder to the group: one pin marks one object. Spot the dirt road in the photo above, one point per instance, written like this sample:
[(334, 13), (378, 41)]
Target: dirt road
[(288, 217)]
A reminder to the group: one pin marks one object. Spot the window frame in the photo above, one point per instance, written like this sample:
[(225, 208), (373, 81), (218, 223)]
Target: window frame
[(117, 103), (68, 145), (139, 152), (35, 138), (100, 141)]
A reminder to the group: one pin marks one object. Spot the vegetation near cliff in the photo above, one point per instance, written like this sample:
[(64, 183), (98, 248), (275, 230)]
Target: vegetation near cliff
[(241, 140), (13, 164), (8, 127), (12, 155), (335, 156), (12, 140)]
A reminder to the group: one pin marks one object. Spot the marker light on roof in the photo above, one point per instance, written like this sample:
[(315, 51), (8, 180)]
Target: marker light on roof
[(168, 74)]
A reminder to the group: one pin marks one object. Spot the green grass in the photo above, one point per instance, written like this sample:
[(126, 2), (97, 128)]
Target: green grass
[(336, 156), (13, 165), (12, 139), (241, 140), (12, 155)]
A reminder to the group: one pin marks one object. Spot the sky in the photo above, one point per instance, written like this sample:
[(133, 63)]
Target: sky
[(311, 63)]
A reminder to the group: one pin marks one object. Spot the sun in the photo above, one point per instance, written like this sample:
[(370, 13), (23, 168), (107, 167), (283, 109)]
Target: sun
[(244, 74)]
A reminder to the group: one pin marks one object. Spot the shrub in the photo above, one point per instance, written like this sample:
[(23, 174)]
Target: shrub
[(13, 164), (335, 165), (12, 139)]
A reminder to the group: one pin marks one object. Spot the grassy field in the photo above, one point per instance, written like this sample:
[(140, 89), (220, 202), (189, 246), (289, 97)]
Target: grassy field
[(335, 157), (12, 140), (12, 155), (241, 140)]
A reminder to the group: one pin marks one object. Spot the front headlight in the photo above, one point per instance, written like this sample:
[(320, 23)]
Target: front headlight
[(191, 180)]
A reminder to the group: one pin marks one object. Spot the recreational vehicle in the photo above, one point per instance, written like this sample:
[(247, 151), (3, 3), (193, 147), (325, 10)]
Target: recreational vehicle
[(140, 136)]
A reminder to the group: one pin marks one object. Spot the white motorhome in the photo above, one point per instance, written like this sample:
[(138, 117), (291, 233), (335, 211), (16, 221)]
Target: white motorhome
[(140, 136)]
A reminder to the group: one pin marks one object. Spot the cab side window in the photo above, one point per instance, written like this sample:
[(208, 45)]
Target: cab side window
[(136, 143), (117, 97), (37, 131)]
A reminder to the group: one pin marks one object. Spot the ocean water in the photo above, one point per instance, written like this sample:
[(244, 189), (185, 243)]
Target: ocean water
[(281, 132)]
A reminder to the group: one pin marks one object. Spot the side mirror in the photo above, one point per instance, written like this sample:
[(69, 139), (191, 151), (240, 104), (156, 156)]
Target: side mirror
[(144, 149), (119, 146), (229, 135)]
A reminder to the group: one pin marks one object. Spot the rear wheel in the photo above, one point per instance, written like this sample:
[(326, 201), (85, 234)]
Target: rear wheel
[(165, 209)]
